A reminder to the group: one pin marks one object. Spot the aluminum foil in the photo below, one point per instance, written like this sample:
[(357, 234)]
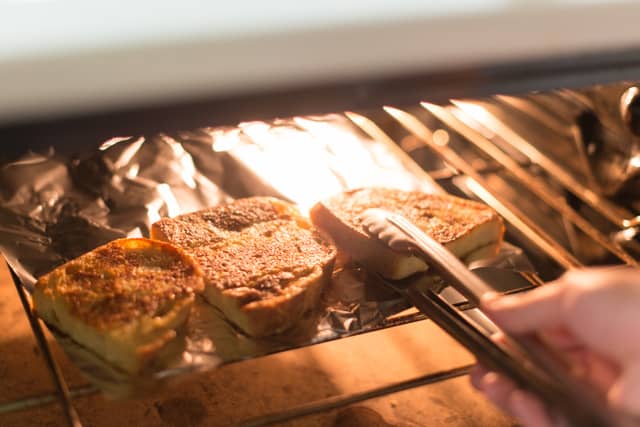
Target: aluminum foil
[(53, 209)]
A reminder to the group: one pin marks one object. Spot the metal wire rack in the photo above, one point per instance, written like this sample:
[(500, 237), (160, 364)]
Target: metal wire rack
[(482, 154)]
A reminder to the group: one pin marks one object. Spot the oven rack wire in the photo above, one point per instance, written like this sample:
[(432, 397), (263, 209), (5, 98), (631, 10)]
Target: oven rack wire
[(462, 119)]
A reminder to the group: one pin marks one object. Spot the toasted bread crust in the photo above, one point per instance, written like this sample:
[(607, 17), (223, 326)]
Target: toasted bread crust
[(264, 265), (122, 300), (220, 223), (461, 225), (261, 262)]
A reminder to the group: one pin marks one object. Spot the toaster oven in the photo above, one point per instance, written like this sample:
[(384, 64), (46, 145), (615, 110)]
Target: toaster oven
[(523, 107)]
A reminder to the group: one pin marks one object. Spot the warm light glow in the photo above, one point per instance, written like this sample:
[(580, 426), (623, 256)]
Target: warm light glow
[(633, 222), (113, 141), (305, 159), (476, 111), (635, 161), (169, 199), (629, 233), (290, 160), (136, 232), (441, 137), (626, 100), (411, 123), (128, 153), (133, 171), (424, 181), (410, 143), (153, 210), (225, 140), (187, 167), (429, 106)]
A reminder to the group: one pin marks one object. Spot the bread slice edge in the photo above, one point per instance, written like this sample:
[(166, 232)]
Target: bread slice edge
[(376, 256), (274, 315)]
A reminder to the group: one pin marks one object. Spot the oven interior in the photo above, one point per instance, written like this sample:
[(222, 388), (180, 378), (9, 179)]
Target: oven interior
[(562, 168)]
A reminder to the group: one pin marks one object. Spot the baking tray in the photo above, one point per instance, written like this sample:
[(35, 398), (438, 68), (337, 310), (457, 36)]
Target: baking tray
[(55, 206)]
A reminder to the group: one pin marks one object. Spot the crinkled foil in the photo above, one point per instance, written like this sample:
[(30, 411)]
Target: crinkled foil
[(53, 209)]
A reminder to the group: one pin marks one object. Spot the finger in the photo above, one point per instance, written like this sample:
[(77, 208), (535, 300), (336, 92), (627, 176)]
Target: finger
[(400, 244), (529, 409), (596, 370), (504, 394), (561, 338), (497, 389), (625, 393), (582, 362), (475, 376), (603, 311), (596, 276), (530, 311)]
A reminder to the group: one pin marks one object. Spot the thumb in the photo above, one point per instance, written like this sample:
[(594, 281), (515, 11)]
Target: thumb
[(529, 311), (625, 393)]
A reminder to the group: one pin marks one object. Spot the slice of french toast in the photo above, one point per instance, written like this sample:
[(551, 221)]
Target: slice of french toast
[(264, 264), (461, 225), (124, 301)]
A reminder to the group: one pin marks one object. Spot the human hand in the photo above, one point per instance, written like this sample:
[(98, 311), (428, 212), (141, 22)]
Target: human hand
[(590, 316)]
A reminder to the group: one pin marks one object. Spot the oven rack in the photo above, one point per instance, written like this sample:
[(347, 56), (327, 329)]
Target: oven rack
[(510, 152)]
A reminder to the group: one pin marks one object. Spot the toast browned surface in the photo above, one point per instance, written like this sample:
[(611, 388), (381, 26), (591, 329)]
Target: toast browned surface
[(122, 301), (463, 226), (264, 264)]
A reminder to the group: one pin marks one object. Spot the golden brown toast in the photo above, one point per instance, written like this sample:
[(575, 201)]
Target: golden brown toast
[(463, 226), (264, 264), (123, 301)]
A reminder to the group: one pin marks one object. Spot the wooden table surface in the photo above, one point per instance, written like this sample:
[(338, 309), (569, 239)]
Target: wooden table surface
[(236, 392)]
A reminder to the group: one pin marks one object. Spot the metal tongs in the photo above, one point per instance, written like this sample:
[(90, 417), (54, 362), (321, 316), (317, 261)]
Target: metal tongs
[(523, 358)]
